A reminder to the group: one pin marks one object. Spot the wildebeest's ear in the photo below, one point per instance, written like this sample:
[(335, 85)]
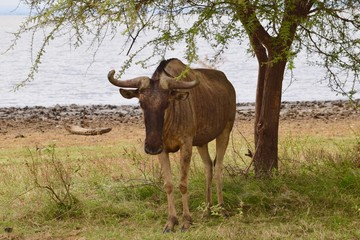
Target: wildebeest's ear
[(177, 95), (129, 93)]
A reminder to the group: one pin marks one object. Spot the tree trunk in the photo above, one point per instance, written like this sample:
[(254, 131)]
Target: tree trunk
[(260, 52), (272, 53), (267, 122)]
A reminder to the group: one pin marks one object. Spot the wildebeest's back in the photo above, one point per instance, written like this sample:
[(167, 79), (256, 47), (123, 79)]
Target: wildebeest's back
[(203, 116), (214, 104)]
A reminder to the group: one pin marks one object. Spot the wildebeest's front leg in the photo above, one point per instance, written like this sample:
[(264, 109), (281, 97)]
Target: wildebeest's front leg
[(185, 158), (169, 189)]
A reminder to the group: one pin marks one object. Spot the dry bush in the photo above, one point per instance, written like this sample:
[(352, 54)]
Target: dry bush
[(54, 177)]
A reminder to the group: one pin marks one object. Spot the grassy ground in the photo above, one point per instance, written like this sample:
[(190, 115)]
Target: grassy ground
[(54, 185)]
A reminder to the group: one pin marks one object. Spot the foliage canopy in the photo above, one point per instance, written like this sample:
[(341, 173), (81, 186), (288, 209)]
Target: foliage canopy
[(330, 29)]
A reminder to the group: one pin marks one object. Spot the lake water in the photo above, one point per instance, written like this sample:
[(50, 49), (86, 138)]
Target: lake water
[(70, 75)]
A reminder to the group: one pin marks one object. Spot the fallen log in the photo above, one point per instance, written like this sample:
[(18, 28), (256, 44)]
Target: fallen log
[(86, 131)]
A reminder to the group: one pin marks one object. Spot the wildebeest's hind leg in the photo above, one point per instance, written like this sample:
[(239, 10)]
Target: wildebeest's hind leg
[(208, 165), (221, 144), (169, 189)]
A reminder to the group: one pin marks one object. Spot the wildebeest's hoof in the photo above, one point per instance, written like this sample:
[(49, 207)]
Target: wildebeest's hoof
[(187, 221), (206, 213), (185, 227), (225, 213), (170, 225)]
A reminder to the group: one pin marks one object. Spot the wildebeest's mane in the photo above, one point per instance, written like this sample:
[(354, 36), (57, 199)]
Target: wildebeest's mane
[(161, 68)]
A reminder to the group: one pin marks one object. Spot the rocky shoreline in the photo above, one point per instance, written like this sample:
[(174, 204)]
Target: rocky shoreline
[(111, 114), (335, 109)]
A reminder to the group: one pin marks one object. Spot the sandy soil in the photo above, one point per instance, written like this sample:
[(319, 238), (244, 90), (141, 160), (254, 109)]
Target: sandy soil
[(42, 126)]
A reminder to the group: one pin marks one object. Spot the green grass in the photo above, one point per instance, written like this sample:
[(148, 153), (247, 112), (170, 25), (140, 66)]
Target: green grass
[(116, 194)]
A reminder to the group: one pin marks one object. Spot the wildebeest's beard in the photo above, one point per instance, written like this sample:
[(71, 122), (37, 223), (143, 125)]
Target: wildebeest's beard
[(154, 123)]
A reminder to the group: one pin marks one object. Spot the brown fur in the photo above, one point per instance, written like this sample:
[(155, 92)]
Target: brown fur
[(210, 106)]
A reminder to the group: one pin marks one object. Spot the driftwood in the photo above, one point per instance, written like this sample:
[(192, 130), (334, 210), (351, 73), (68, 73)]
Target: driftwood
[(86, 131)]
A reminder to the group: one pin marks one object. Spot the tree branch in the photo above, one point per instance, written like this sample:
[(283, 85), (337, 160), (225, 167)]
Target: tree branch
[(247, 15)]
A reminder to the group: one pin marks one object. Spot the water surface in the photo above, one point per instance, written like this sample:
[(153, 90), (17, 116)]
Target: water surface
[(69, 75)]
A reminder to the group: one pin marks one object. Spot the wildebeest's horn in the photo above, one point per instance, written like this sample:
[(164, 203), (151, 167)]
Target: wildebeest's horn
[(131, 83), (173, 84)]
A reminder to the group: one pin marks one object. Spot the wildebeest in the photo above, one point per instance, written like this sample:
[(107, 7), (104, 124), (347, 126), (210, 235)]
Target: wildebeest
[(180, 113)]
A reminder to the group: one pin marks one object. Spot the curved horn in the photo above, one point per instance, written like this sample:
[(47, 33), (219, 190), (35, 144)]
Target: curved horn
[(174, 84), (131, 83)]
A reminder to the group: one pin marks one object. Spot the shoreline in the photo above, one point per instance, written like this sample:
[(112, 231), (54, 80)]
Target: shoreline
[(112, 114), (39, 126)]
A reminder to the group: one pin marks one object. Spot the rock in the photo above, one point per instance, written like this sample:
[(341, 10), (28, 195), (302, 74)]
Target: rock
[(8, 229)]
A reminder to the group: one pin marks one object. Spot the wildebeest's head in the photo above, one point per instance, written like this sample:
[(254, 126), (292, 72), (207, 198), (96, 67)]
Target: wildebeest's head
[(154, 95)]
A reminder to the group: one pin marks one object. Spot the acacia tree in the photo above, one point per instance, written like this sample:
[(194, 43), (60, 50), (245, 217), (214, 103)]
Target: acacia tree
[(277, 30)]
